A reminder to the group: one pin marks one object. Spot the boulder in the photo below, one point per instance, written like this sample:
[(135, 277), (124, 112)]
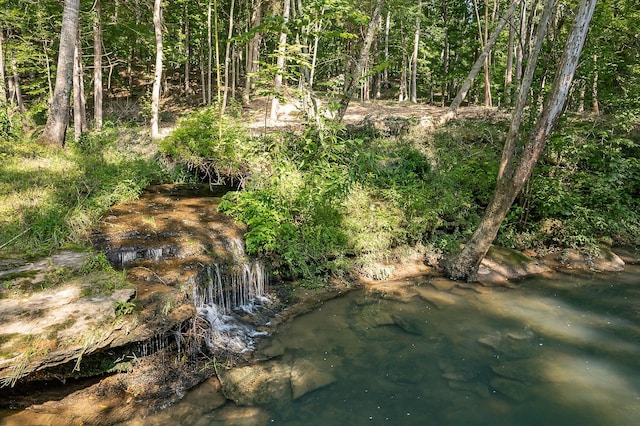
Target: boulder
[(605, 261), (266, 383), (306, 377), (502, 264)]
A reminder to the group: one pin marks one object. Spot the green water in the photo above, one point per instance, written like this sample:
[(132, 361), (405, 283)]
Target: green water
[(546, 352)]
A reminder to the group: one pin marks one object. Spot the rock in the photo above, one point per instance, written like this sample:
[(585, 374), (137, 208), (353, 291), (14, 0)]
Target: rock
[(233, 415), (512, 345), (512, 389), (525, 370), (406, 325), (306, 377), (605, 261), (437, 298), (502, 264), (257, 384), (458, 370), (442, 284), (477, 388)]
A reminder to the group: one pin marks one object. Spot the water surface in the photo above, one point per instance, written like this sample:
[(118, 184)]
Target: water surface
[(553, 352)]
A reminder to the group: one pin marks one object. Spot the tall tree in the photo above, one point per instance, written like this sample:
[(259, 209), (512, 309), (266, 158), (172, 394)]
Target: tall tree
[(97, 67), (518, 161), (414, 56), (464, 89), (157, 81), (351, 80), (3, 91), (280, 62), (58, 120)]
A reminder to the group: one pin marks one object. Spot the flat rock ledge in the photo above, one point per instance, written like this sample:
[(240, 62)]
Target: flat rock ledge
[(503, 264)]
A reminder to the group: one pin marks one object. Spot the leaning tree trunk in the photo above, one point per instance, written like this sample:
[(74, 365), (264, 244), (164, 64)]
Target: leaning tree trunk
[(464, 89), (157, 81), (516, 170), (351, 82), (56, 128)]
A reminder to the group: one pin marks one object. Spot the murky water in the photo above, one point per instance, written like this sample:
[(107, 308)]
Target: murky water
[(552, 352)]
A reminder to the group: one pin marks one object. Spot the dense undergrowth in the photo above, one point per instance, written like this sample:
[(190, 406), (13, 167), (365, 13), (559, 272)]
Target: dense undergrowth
[(52, 198), (326, 203), (329, 203)]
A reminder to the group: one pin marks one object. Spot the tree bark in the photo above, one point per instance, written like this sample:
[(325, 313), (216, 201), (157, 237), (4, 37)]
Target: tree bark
[(187, 51), (351, 80), (3, 86), (594, 87), (79, 111), (227, 60), (58, 120), (508, 72), (97, 68), (464, 89), (253, 52), (516, 171), (157, 81), (414, 57), (280, 62)]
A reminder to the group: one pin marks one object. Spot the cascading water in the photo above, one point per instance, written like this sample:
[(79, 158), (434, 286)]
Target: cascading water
[(227, 293)]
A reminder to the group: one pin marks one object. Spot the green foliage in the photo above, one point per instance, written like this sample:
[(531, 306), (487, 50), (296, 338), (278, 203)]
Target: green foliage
[(215, 147), (124, 308), (586, 188), (51, 197)]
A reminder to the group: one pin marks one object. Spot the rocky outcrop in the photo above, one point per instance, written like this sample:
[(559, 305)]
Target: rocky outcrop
[(604, 261), (502, 264), (51, 315)]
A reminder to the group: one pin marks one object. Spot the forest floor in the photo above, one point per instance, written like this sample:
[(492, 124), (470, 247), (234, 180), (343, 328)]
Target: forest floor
[(290, 114)]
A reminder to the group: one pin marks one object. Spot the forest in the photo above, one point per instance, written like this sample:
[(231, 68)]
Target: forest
[(100, 99)]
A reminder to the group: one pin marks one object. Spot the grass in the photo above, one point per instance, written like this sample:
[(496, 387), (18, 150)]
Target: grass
[(52, 198)]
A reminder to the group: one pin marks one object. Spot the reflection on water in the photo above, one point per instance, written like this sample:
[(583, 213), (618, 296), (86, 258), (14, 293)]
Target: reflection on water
[(556, 352)]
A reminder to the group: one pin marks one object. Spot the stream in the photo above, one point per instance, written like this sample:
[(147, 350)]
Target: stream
[(555, 351)]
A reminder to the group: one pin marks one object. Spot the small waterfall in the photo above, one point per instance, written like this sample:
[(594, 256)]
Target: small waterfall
[(127, 256), (226, 293), (154, 253)]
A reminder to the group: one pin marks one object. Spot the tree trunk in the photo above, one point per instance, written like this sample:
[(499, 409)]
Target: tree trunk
[(79, 111), (3, 87), (157, 81), (464, 89), (97, 68), (445, 56), (351, 80), (187, 51), (253, 52), (209, 55), (203, 75), (387, 26), (521, 40), (414, 57), (56, 128), (227, 60), (508, 72), (280, 62), (516, 171), (594, 88)]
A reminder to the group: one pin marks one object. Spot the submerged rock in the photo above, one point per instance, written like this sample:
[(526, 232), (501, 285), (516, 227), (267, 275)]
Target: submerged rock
[(272, 382)]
